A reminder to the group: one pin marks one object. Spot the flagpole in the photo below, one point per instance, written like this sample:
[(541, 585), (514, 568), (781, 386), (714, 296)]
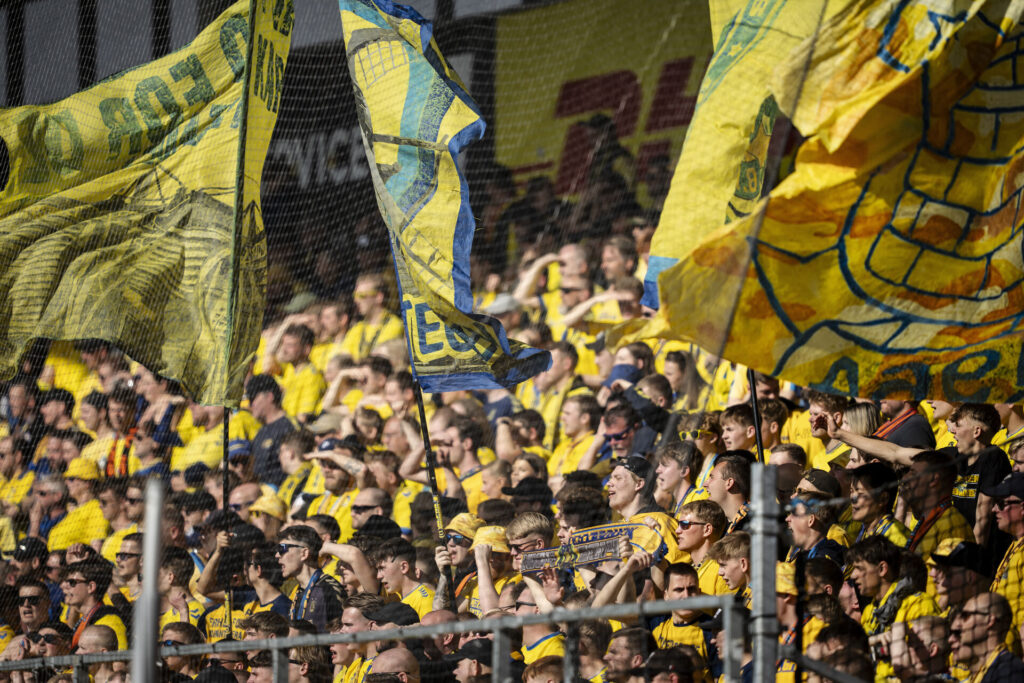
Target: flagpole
[(435, 494), (226, 485), (757, 416)]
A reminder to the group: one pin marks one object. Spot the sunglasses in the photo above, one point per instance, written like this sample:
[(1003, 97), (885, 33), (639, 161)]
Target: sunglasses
[(686, 524), (697, 433), (48, 638), (364, 295), (171, 643), (29, 600), (74, 582), (226, 663), (283, 548), (1003, 503), (133, 501), (458, 539), (237, 507), (520, 548), (361, 509), (618, 436), (126, 556), (329, 464)]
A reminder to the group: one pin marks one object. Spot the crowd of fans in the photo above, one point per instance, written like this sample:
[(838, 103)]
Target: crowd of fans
[(905, 522)]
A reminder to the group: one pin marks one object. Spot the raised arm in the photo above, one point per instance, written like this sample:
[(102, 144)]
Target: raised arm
[(869, 445), (525, 291)]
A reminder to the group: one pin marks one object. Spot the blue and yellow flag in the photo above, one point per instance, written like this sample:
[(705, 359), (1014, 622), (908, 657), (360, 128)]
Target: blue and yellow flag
[(416, 118), (132, 212), (721, 170), (889, 263)]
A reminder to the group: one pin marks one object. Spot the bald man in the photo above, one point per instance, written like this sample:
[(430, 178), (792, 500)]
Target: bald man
[(398, 661), (94, 639)]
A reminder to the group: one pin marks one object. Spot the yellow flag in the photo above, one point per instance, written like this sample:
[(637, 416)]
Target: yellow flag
[(721, 170), (132, 209), (415, 118), (890, 262)]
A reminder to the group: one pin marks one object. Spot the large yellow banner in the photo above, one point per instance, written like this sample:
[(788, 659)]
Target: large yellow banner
[(560, 66), (889, 263), (132, 210)]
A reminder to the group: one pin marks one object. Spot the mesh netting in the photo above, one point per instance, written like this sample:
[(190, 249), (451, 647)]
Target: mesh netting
[(203, 281)]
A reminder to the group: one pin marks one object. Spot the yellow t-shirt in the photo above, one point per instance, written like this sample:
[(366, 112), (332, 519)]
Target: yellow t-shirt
[(206, 447), (324, 352), (337, 506), (84, 524), (288, 488), (421, 599), (472, 589), (472, 484), (362, 337), (669, 634), (914, 606), (567, 455), (13, 491), (950, 524), (172, 615), (1009, 582), (550, 645), (709, 580), (401, 510), (301, 390)]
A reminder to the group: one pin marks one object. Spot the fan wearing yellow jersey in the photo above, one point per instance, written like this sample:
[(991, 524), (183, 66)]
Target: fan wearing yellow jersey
[(700, 524), (395, 560)]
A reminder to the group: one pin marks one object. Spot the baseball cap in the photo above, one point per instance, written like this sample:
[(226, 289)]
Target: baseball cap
[(493, 536), (530, 488), (824, 483), (82, 468), (635, 464), (630, 373), (478, 649), (1012, 485), (30, 547), (327, 422), (953, 552), (397, 613), (269, 504)]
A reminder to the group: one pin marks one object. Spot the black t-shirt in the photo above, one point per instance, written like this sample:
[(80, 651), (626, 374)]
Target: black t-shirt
[(915, 432), (264, 450), (989, 469)]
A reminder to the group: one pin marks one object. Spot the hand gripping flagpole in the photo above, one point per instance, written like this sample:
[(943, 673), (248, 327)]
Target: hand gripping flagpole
[(435, 494)]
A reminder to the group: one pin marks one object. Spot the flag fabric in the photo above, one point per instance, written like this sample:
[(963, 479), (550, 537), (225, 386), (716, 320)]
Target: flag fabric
[(721, 170), (131, 212), (416, 118), (889, 263)]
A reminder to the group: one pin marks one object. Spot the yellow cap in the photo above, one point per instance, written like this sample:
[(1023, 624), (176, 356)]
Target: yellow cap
[(785, 578), (493, 536), (944, 549), (269, 504), (465, 523), (82, 468)]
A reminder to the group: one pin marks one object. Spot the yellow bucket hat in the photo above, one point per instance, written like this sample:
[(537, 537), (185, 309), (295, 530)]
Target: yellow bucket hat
[(493, 536)]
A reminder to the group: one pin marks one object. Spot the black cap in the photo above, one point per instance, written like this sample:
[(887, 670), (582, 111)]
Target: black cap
[(397, 613), (1012, 485), (30, 547), (635, 464), (478, 649), (530, 488), (965, 555), (824, 482)]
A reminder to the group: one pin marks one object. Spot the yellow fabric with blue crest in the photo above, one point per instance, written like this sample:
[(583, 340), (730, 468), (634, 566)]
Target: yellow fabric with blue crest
[(415, 118)]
